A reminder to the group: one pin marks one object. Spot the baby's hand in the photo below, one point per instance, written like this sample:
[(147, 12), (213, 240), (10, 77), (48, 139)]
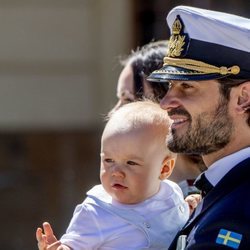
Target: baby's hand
[(193, 200), (47, 240)]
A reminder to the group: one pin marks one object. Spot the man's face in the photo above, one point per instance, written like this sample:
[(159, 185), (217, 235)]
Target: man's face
[(202, 124)]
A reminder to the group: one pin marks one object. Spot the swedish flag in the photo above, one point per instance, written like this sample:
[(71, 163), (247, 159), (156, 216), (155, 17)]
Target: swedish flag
[(229, 238)]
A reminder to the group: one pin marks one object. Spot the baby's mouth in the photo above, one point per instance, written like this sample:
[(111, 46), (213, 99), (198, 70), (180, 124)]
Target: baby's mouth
[(118, 186)]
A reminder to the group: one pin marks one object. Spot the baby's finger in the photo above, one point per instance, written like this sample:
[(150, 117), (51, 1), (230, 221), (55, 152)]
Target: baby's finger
[(39, 234), (197, 197), (49, 233), (41, 239), (47, 229)]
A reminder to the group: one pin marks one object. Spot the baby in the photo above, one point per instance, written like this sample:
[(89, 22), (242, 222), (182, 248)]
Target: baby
[(135, 207)]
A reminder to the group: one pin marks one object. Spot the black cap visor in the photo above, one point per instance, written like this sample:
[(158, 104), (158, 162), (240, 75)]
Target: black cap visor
[(168, 72)]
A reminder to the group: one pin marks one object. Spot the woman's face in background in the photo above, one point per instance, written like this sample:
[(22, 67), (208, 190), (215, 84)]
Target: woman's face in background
[(125, 88)]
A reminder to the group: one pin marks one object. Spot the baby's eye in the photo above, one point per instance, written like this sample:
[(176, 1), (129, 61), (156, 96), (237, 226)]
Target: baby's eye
[(132, 163), (108, 160)]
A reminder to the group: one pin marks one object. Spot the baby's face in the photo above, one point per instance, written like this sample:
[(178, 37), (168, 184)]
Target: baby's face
[(131, 163)]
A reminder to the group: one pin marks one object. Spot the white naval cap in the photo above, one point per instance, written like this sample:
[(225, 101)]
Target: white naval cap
[(205, 44)]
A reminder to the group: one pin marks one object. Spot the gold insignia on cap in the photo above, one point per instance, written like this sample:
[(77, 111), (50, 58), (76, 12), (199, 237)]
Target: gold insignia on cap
[(200, 67), (176, 27), (177, 41)]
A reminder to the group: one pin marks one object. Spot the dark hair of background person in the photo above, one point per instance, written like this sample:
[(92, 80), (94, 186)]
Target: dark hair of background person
[(145, 60)]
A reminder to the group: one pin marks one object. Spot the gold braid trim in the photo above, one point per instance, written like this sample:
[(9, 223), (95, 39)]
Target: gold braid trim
[(200, 66)]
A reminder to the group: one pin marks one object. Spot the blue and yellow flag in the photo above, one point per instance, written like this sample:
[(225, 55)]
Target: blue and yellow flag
[(229, 238)]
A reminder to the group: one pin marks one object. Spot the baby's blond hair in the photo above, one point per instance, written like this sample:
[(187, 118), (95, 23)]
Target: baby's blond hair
[(140, 114)]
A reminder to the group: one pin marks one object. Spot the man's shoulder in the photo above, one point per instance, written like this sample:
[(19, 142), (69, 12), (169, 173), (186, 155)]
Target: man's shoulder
[(228, 218)]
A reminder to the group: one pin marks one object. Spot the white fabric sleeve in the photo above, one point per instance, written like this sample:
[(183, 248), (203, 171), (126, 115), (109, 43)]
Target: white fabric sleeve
[(84, 230)]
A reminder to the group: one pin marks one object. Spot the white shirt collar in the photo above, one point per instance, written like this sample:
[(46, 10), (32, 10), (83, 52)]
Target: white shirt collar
[(221, 167)]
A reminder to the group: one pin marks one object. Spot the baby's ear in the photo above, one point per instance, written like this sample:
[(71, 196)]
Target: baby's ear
[(167, 168)]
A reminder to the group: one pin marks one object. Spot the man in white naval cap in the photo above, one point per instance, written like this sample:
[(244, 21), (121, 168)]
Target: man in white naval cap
[(208, 70)]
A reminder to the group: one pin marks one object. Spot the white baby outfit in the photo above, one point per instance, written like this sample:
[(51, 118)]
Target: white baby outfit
[(102, 223)]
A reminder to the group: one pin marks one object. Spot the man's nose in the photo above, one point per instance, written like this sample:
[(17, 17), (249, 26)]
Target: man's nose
[(170, 101)]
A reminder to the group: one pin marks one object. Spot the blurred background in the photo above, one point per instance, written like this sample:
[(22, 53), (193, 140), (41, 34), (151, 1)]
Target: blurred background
[(59, 64)]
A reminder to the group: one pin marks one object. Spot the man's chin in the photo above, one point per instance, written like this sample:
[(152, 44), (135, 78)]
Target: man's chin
[(173, 145), (179, 133)]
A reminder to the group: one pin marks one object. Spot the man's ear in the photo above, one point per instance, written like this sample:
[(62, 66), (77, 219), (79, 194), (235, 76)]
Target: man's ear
[(167, 167), (244, 97)]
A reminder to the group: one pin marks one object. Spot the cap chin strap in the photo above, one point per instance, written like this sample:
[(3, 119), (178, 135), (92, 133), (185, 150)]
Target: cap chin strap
[(200, 67)]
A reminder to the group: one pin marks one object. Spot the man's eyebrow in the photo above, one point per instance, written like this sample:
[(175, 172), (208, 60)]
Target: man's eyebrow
[(181, 81)]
